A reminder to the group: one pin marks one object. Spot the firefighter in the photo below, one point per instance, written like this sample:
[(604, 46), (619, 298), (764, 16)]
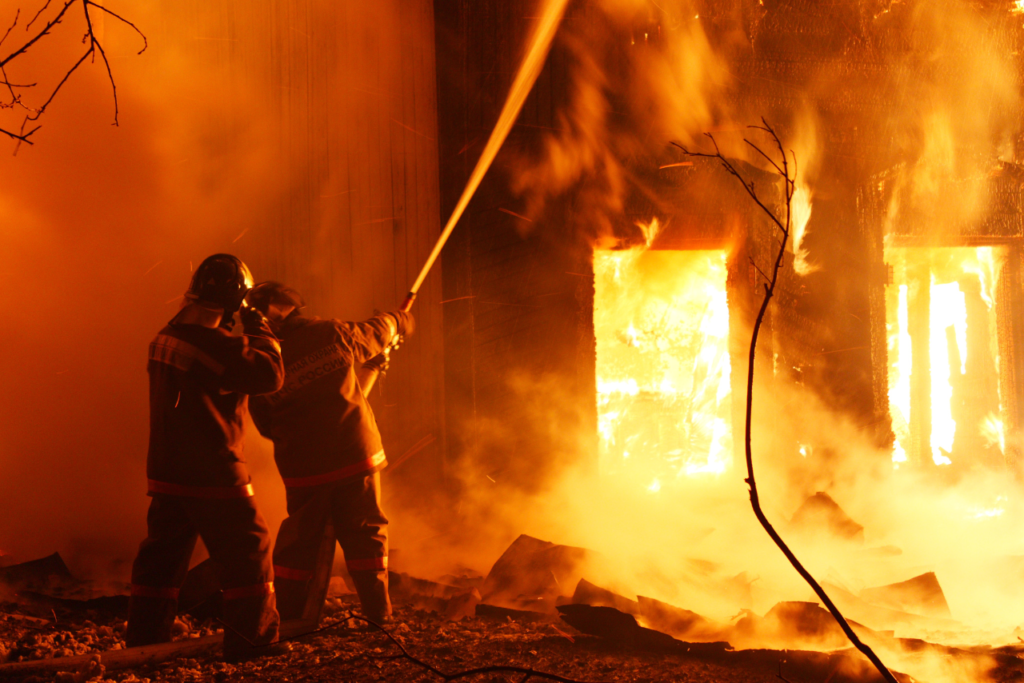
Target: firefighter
[(328, 450), (200, 376)]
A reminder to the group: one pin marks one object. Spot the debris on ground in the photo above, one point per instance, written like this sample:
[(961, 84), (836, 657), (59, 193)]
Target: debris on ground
[(920, 595), (533, 620)]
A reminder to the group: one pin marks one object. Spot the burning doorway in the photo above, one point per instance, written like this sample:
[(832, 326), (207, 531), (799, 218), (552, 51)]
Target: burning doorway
[(664, 398), (944, 360)]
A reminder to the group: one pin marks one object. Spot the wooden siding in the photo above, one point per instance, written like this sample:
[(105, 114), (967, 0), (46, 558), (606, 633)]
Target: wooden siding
[(351, 92)]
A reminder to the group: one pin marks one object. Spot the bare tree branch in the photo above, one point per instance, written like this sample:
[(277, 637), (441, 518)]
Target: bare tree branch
[(781, 166), (93, 47)]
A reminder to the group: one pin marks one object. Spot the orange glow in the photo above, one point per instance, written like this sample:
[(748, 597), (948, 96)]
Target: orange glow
[(663, 392), (937, 293)]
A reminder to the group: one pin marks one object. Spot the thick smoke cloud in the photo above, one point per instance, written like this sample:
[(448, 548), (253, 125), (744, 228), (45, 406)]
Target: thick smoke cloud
[(101, 227)]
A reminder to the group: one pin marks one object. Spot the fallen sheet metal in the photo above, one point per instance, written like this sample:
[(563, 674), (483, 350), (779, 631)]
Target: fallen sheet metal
[(676, 621), (588, 594), (532, 570), (820, 515), (919, 595), (41, 573), (610, 623)]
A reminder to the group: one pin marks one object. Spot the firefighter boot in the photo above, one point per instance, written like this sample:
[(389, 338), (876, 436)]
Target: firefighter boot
[(250, 625), (372, 587), (149, 620)]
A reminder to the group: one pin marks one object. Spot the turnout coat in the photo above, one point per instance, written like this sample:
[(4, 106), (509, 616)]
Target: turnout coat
[(322, 426)]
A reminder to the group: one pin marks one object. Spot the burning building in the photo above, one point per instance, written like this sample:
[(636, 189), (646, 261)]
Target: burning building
[(580, 367)]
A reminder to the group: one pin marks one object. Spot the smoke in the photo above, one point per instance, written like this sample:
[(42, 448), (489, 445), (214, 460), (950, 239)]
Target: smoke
[(640, 78), (101, 227)]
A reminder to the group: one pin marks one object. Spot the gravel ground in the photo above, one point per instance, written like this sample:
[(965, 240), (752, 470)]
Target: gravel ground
[(353, 652)]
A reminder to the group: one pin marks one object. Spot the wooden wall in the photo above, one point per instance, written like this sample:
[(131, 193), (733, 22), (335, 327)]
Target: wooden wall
[(519, 349), (346, 92)]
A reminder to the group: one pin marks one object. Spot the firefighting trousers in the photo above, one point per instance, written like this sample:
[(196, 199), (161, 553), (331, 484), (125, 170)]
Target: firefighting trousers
[(352, 507), (239, 543)]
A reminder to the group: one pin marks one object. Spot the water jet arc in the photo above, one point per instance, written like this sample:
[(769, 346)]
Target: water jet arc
[(550, 18)]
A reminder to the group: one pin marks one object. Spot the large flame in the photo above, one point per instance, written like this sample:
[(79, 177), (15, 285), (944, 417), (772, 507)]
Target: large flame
[(943, 299), (663, 390)]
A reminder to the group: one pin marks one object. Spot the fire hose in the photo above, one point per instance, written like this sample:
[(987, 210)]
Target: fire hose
[(550, 18)]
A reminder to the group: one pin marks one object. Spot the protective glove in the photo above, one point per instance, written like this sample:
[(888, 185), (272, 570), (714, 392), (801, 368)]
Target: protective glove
[(254, 322), (405, 322), (378, 363)]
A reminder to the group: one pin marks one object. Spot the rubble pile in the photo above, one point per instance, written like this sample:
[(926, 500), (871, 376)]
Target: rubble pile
[(535, 609)]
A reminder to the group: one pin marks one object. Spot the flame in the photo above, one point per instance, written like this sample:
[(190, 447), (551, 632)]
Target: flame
[(650, 231), (959, 366), (661, 319), (1018, 7), (801, 207), (994, 432)]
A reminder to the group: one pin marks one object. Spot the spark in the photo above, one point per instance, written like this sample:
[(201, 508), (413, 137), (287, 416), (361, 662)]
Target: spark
[(517, 215), (412, 130)]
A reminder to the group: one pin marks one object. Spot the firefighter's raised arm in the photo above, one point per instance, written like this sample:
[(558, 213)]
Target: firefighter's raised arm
[(370, 337), (252, 362)]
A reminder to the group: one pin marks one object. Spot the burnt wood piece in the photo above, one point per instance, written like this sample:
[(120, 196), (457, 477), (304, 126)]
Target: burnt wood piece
[(881, 618), (402, 585), (821, 514), (37, 573), (919, 595), (796, 666), (610, 623), (589, 594), (112, 604), (676, 621), (807, 624), (531, 568)]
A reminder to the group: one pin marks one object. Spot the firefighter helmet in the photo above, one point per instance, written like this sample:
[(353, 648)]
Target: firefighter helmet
[(270, 292), (221, 279)]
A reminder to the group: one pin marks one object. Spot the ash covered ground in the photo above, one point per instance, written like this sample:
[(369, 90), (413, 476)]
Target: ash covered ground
[(53, 627), (351, 652)]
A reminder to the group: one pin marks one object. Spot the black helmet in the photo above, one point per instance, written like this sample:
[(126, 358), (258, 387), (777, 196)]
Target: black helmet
[(270, 292), (222, 279)]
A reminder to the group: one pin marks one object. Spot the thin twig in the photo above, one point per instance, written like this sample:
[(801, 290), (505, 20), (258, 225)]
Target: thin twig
[(41, 10), (758, 269), (14, 23), (784, 225), (93, 47)]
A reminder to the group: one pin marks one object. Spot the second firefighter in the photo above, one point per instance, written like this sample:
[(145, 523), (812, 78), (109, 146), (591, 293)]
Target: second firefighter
[(328, 450)]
